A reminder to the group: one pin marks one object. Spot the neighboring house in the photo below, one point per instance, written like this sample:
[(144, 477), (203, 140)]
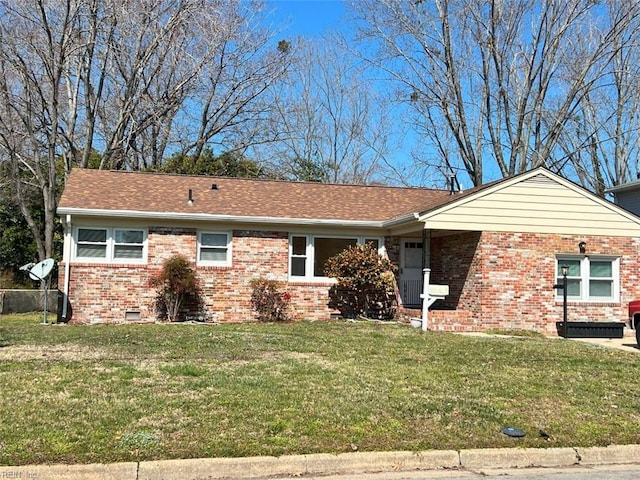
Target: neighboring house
[(627, 196), (498, 248)]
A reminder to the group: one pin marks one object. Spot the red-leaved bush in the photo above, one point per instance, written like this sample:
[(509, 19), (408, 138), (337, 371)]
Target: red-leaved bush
[(178, 289), (269, 301)]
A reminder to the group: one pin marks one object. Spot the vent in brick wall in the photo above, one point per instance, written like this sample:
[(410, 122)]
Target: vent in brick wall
[(132, 315)]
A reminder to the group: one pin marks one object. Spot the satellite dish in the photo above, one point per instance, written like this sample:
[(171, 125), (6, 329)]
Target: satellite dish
[(41, 270)]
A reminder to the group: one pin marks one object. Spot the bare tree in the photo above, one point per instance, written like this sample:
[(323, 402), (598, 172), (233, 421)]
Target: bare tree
[(494, 84), (329, 121), (133, 80), (602, 144)]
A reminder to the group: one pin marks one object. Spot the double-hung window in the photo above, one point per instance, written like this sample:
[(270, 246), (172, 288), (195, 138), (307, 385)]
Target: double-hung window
[(593, 279), (92, 243), (308, 254), (214, 248), (97, 244), (128, 244)]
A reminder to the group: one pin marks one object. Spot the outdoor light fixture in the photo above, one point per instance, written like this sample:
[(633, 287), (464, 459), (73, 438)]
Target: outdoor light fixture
[(583, 247), (564, 269), (190, 200)]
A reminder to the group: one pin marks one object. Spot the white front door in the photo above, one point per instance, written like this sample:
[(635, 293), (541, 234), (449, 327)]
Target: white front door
[(411, 271)]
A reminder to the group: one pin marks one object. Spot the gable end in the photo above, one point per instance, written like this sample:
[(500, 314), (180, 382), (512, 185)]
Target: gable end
[(538, 203)]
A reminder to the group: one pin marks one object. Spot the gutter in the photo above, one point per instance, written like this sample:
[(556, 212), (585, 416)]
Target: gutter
[(228, 218), (399, 220), (625, 186)]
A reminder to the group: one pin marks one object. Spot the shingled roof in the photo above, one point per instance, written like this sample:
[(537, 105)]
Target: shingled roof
[(119, 193)]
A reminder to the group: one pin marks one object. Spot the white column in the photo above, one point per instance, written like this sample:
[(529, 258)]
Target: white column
[(425, 299)]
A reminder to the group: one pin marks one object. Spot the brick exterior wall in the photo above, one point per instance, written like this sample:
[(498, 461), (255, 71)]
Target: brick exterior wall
[(106, 292), (496, 280), (505, 280)]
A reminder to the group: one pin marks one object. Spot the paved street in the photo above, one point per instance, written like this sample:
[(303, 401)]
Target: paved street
[(609, 472)]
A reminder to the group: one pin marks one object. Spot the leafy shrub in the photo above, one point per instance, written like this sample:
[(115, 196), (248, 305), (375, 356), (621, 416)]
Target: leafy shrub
[(178, 289), (269, 301), (366, 283)]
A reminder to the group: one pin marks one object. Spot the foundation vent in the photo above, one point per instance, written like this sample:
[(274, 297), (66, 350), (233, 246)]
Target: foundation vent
[(132, 315)]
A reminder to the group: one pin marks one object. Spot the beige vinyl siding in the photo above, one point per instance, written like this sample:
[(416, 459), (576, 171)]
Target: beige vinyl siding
[(537, 204)]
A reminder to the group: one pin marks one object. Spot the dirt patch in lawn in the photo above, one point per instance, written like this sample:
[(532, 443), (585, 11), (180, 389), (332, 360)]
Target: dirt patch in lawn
[(17, 353)]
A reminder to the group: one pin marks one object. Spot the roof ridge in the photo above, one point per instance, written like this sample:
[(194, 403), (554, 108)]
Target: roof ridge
[(262, 180)]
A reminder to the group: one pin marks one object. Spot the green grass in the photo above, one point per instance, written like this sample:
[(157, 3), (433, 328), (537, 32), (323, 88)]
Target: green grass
[(106, 393)]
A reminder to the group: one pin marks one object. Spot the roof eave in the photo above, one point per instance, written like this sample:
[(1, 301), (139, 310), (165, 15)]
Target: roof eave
[(408, 218), (635, 185), (220, 218)]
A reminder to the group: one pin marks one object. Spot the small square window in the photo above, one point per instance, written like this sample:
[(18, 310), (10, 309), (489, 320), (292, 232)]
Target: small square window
[(214, 248)]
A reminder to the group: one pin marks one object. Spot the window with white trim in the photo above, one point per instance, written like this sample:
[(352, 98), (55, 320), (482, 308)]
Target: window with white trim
[(214, 248), (95, 244), (308, 254), (593, 279), (128, 244), (298, 256), (91, 243)]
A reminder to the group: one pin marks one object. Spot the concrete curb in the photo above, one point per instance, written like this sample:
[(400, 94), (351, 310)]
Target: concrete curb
[(518, 458), (611, 455), (112, 471), (297, 465), (327, 464)]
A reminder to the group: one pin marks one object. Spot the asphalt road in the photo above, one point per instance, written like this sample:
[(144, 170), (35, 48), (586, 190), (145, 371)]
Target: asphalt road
[(608, 472)]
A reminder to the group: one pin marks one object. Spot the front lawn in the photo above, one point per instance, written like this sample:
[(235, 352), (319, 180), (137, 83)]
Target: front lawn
[(107, 393)]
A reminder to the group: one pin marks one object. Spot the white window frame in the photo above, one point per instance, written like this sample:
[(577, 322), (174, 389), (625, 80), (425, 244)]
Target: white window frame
[(139, 245), (310, 254), (218, 263), (585, 262), (110, 245)]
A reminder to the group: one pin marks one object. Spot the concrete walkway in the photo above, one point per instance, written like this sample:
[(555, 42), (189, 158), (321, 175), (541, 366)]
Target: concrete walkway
[(626, 343), (326, 464)]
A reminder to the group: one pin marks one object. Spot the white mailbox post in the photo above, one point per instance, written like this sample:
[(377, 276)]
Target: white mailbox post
[(430, 293)]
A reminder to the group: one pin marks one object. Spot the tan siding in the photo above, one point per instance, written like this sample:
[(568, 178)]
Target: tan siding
[(538, 205)]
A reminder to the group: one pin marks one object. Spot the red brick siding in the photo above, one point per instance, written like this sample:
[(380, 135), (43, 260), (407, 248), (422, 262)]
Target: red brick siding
[(310, 300), (505, 280), (496, 280), (105, 292)]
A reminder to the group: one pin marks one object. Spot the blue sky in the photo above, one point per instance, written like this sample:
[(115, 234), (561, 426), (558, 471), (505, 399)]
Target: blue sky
[(314, 18), (307, 17)]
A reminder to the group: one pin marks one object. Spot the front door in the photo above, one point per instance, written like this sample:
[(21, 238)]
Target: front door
[(411, 272)]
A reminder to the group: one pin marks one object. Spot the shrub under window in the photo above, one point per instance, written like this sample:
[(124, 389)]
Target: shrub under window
[(366, 283)]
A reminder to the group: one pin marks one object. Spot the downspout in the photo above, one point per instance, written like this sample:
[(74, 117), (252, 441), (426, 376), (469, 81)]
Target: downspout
[(67, 265)]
